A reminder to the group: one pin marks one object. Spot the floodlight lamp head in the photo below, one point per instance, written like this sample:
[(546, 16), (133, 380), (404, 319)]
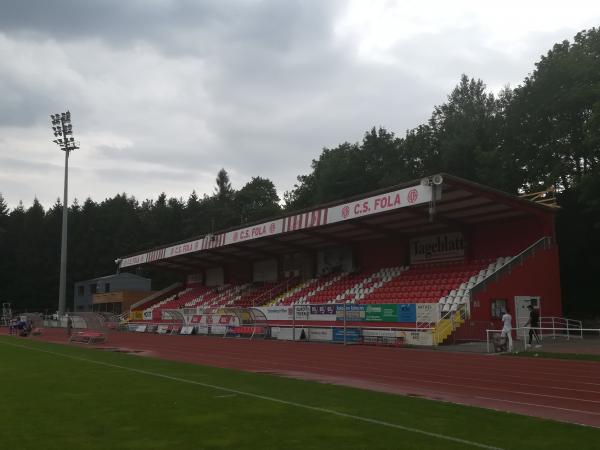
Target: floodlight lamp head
[(425, 182), (437, 179)]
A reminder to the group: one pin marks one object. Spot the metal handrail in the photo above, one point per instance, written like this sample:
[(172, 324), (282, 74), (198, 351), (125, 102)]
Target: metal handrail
[(522, 332), (544, 243), (573, 327), (449, 315), (269, 293)]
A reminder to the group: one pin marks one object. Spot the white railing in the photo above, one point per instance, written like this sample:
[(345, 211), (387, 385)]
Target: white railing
[(561, 327), (522, 335)]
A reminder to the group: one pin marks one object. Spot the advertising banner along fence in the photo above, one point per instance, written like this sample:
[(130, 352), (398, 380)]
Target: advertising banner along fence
[(388, 313)]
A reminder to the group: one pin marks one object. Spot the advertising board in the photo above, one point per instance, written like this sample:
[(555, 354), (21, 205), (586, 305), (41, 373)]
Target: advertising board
[(353, 335), (320, 334), (407, 312), (428, 312), (354, 313), (381, 313), (323, 312)]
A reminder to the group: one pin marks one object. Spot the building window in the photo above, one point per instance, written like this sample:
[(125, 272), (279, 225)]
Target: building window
[(498, 308), (106, 287), (80, 290), (92, 288)]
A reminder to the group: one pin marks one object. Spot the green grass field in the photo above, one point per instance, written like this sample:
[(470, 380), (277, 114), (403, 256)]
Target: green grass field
[(67, 397)]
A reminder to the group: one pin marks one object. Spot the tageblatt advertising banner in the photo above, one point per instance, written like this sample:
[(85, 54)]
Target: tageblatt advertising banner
[(437, 247)]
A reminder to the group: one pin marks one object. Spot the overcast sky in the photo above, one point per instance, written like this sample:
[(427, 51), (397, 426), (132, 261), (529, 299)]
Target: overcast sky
[(164, 93)]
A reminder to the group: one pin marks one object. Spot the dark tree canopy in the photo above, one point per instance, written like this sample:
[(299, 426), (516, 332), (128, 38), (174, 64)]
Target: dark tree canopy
[(257, 200)]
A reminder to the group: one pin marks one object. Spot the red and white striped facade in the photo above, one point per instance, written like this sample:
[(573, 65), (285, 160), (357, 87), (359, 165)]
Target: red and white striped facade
[(413, 195), (308, 219)]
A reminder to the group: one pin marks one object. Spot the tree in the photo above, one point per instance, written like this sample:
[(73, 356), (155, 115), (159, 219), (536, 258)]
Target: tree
[(466, 133), (554, 117), (386, 159), (223, 190), (192, 220), (5, 244), (220, 207), (3, 214), (257, 200)]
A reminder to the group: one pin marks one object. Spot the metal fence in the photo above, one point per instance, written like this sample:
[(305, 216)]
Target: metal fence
[(549, 339)]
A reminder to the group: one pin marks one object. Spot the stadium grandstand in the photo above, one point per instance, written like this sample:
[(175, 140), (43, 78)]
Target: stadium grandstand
[(424, 262)]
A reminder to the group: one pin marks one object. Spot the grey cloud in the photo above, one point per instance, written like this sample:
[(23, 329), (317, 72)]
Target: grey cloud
[(171, 91), (23, 104), (174, 26), (27, 165)]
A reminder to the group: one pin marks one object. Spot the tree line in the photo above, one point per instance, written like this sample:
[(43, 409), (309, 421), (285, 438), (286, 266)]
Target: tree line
[(543, 133)]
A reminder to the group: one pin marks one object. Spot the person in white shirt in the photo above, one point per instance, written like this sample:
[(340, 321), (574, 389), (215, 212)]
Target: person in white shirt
[(507, 329)]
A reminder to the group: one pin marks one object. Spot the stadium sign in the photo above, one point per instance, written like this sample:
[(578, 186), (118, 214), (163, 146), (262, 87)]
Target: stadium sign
[(254, 232), (437, 248), (360, 208), (380, 203)]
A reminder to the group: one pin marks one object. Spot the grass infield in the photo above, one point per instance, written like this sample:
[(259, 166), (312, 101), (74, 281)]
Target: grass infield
[(67, 397)]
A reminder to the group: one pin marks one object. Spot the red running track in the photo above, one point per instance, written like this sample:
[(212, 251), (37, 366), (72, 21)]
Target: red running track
[(555, 389)]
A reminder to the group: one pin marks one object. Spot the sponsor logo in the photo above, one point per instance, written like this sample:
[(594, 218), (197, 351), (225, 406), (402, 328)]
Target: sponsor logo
[(452, 244), (235, 236), (256, 232), (345, 212), (412, 196)]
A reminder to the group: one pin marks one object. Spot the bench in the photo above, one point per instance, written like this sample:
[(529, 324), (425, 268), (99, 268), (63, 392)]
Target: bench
[(88, 337), (247, 330)]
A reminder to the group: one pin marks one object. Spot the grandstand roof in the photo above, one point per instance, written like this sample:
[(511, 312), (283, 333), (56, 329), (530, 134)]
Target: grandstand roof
[(397, 211)]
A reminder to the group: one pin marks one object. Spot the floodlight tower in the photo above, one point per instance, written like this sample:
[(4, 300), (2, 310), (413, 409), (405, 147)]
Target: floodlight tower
[(63, 131)]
